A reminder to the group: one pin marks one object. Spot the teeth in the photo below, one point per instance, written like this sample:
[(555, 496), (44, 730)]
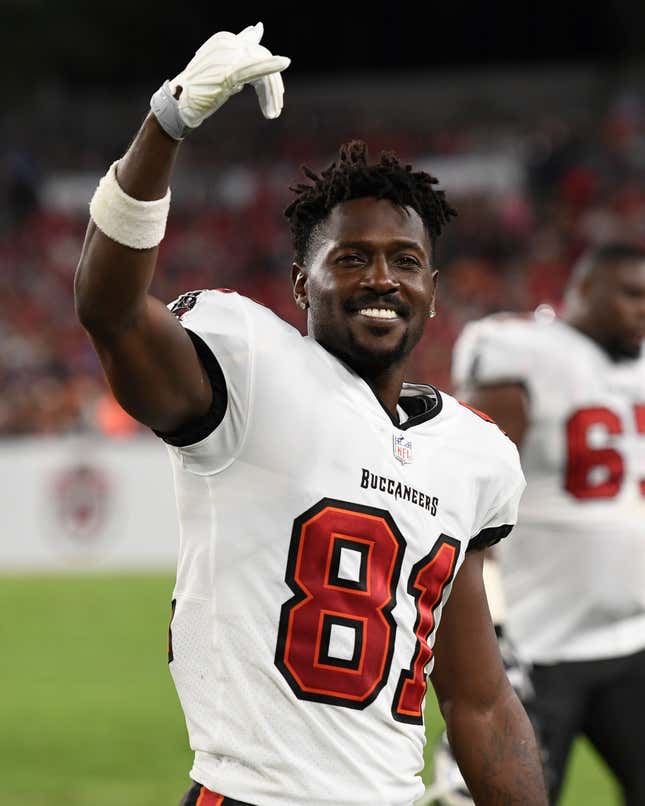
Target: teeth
[(378, 313)]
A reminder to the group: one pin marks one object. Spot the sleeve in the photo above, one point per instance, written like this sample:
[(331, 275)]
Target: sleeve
[(494, 350), (501, 516), (220, 326)]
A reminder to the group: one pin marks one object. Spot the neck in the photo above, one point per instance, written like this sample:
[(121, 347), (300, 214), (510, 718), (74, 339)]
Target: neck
[(617, 349), (573, 313), (584, 325), (386, 385), (385, 379)]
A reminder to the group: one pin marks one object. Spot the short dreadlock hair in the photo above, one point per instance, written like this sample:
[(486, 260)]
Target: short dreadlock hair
[(351, 177)]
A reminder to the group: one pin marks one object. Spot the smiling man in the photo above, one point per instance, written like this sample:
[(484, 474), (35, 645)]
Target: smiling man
[(364, 272), (366, 245), (331, 514)]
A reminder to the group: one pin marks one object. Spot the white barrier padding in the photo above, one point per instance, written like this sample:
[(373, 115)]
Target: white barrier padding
[(86, 503)]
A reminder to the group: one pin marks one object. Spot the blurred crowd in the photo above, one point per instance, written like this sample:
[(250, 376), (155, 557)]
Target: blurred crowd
[(511, 247)]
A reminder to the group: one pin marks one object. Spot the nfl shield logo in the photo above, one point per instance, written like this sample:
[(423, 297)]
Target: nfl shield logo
[(402, 448)]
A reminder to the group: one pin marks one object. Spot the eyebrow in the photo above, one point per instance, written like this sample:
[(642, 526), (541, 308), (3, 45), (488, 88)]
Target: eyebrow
[(398, 243)]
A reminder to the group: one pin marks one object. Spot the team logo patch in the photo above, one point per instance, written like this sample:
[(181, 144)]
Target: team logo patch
[(185, 303), (402, 448)]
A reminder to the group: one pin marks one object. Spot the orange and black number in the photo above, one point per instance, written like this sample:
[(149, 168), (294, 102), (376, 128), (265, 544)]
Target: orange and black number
[(343, 568), (428, 579)]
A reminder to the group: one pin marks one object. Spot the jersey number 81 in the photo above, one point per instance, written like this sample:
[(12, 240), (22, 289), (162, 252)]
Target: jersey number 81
[(336, 634)]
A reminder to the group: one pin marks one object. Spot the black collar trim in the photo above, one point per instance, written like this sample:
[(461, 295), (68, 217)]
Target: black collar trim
[(420, 401)]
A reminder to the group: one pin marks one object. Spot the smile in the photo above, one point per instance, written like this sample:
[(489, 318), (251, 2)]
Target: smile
[(378, 313)]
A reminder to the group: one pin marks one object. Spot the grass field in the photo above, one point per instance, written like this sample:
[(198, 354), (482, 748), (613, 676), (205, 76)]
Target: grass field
[(88, 713)]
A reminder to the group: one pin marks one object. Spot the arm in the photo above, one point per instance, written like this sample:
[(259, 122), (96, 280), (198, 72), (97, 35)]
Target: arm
[(149, 360), (489, 732)]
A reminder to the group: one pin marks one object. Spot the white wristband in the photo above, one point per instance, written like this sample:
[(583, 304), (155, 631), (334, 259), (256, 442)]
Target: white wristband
[(128, 221)]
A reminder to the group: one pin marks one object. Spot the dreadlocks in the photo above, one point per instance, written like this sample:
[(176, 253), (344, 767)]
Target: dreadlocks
[(352, 178)]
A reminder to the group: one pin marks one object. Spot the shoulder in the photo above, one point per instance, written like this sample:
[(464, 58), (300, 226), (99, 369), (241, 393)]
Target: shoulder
[(488, 464), (476, 434), (473, 421), (503, 348), (509, 329), (222, 309)]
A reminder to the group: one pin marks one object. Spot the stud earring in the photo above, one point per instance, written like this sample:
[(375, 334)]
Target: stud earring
[(432, 313)]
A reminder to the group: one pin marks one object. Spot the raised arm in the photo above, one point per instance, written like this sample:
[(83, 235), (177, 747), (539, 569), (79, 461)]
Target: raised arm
[(148, 358), (489, 732)]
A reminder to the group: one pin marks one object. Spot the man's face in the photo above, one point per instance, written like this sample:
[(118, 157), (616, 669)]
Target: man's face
[(616, 298), (368, 282)]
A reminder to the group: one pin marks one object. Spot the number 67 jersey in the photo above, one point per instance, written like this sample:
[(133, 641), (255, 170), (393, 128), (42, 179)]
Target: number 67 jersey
[(319, 540), (574, 573)]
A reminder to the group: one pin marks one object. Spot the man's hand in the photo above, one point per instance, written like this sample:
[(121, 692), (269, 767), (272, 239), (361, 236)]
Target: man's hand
[(220, 68)]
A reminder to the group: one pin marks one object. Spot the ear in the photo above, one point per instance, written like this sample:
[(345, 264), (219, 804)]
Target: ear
[(299, 280)]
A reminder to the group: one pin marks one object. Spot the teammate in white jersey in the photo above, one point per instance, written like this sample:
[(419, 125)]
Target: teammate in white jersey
[(571, 393), (327, 509)]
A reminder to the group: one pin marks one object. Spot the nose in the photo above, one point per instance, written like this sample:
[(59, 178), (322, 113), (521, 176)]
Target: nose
[(378, 276)]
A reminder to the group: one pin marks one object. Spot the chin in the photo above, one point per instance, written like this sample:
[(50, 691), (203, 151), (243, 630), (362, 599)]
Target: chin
[(373, 358), (366, 353)]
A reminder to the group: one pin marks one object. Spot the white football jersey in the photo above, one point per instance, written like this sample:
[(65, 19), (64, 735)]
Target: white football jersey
[(318, 544), (574, 574)]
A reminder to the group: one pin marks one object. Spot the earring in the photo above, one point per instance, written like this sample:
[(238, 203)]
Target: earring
[(432, 313), (302, 304)]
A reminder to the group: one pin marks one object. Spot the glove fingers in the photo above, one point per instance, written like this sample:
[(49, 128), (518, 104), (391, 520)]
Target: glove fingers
[(255, 69), (252, 34), (221, 67), (222, 51), (270, 92), (218, 41)]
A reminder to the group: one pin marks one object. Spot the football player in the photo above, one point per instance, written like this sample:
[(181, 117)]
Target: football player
[(330, 514), (570, 392)]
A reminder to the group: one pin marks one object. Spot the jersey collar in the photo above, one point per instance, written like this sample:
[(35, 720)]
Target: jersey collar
[(420, 401)]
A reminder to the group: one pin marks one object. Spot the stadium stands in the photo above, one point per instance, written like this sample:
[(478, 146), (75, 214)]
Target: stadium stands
[(532, 190)]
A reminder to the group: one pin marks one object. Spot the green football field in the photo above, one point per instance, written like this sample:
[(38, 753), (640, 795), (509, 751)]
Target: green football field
[(88, 713)]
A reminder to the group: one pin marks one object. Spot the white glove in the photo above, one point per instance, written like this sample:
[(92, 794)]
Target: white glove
[(220, 68)]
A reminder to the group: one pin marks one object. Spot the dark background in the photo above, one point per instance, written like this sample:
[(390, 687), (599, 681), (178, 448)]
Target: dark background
[(105, 42)]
